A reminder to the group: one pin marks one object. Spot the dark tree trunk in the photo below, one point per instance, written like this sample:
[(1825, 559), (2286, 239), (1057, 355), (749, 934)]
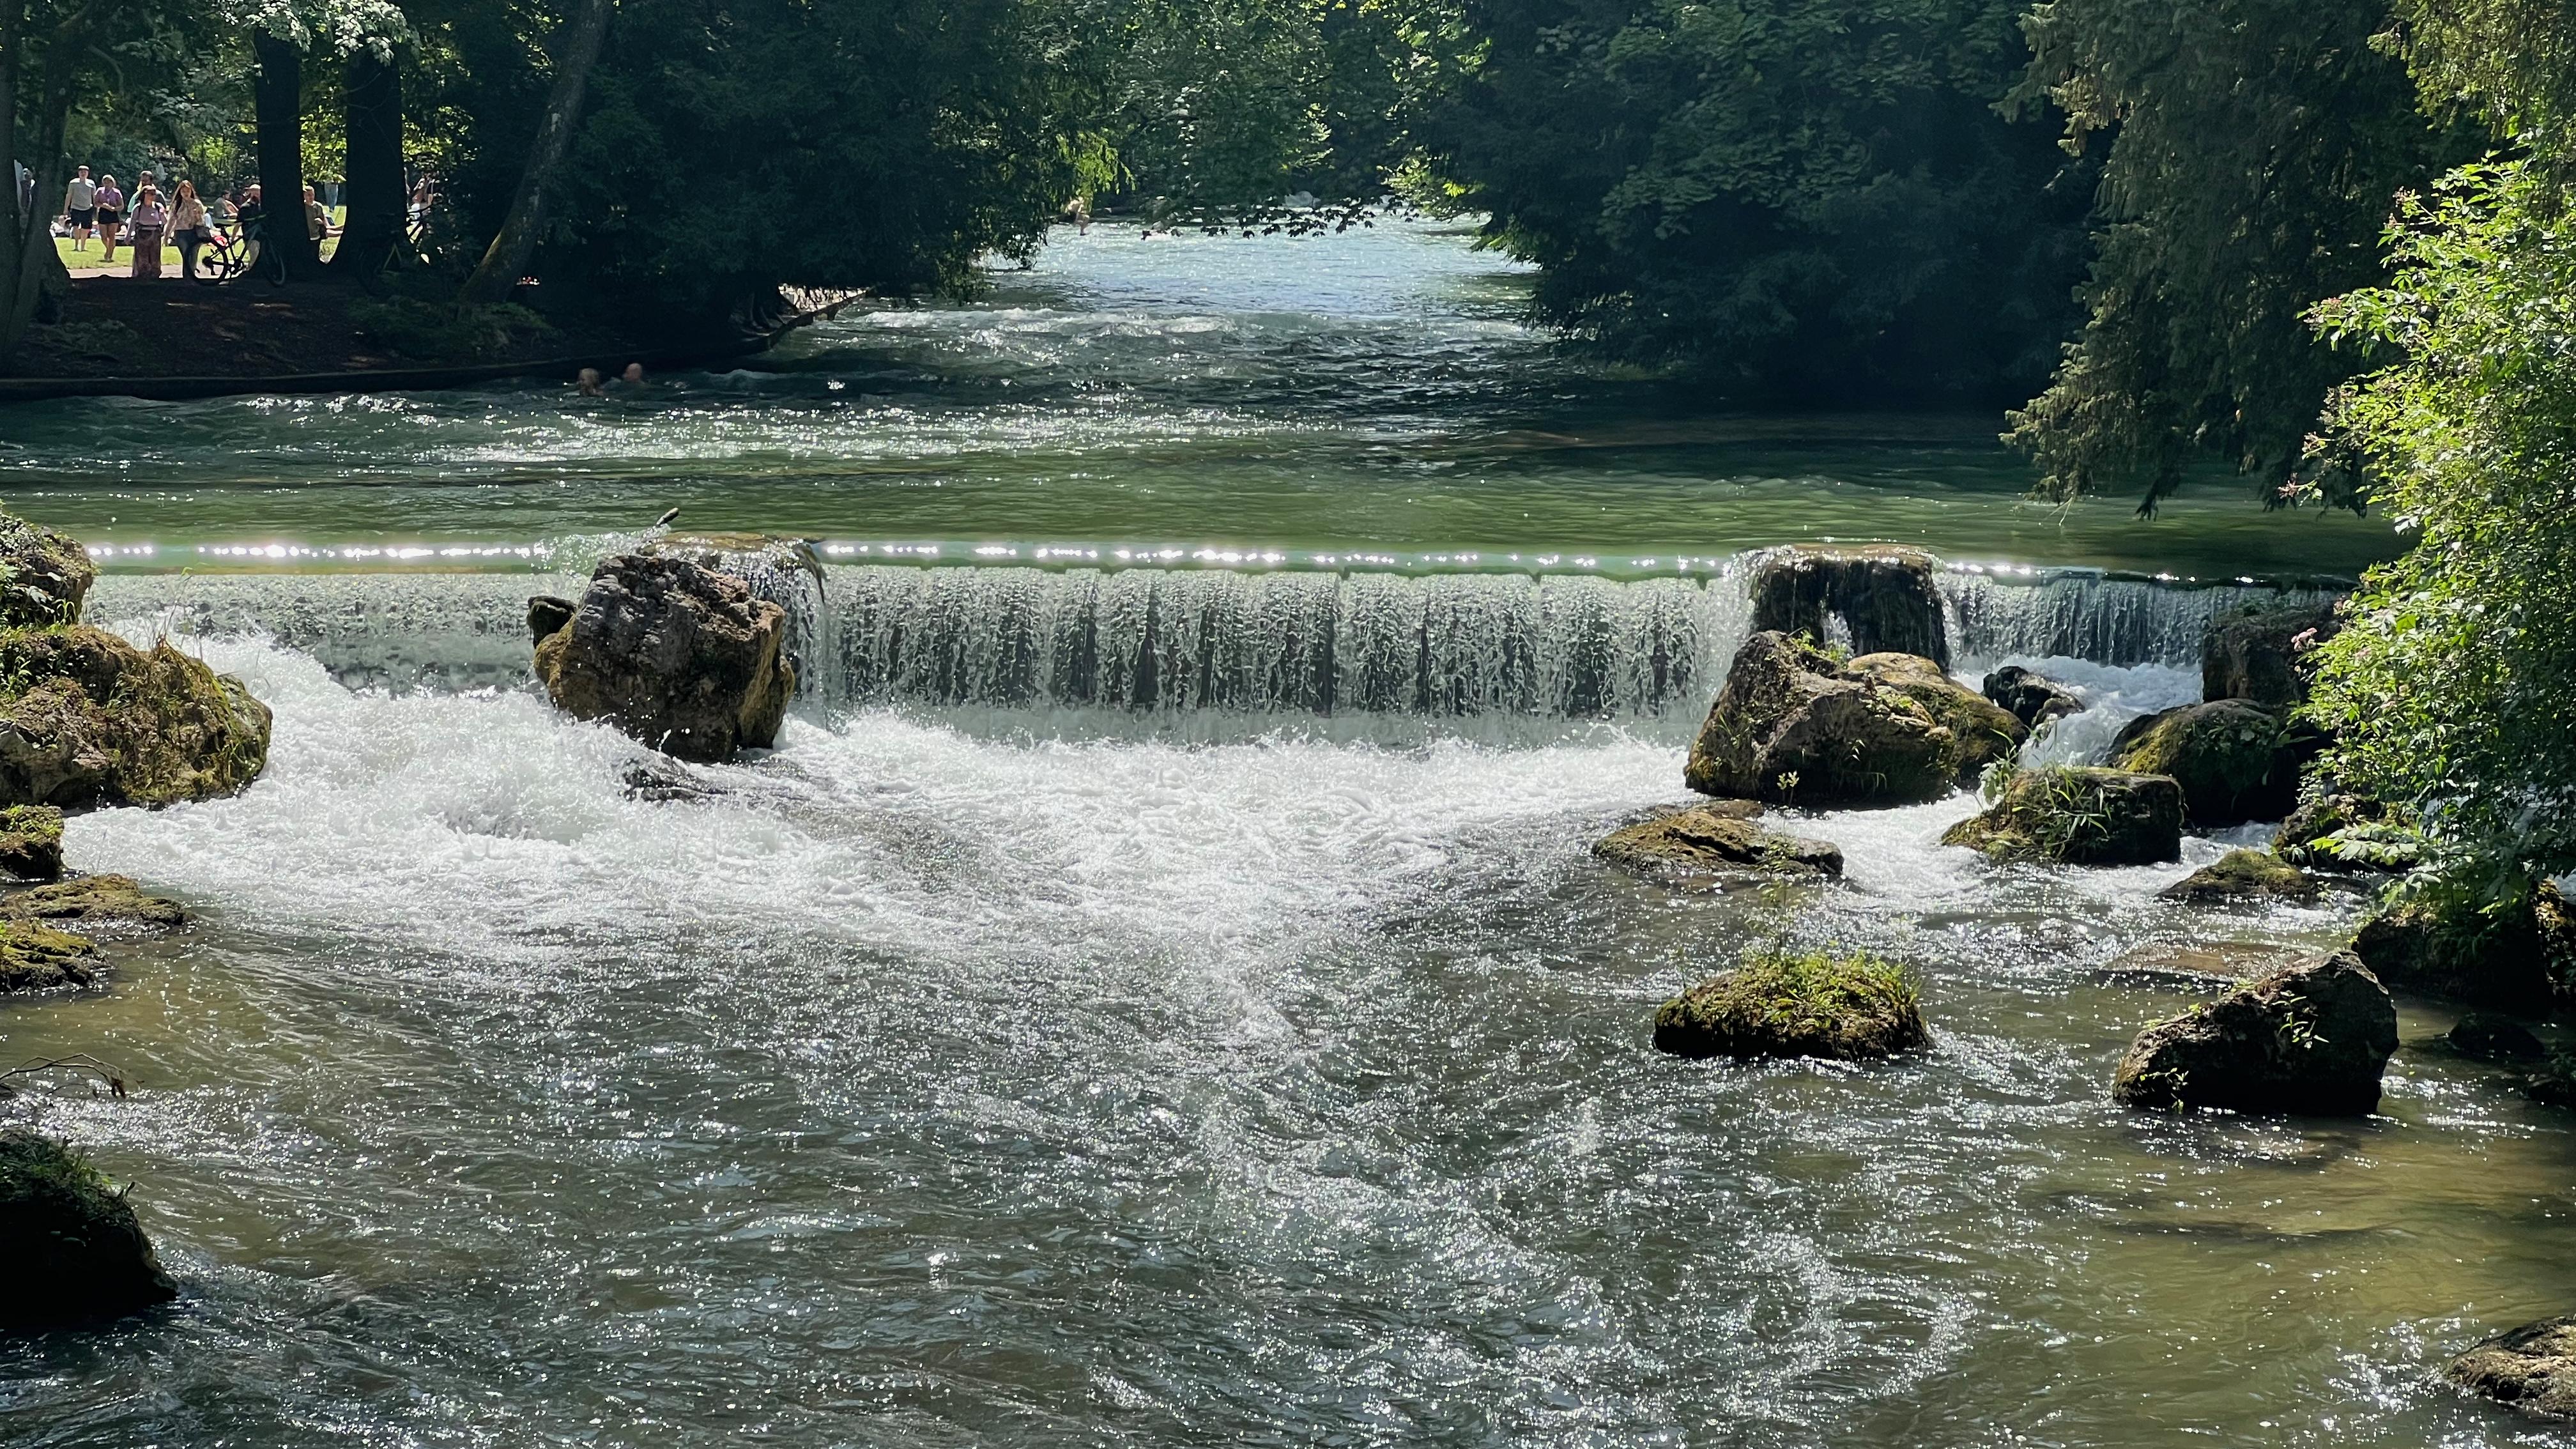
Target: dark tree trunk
[(375, 168), (29, 266), (506, 260), (278, 97)]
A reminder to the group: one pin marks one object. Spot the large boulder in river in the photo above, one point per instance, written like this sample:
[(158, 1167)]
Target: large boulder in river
[(2235, 761), (1887, 597), (681, 657), (1984, 731), (1797, 1004), (2532, 1368), (2243, 876), (1792, 725), (2308, 1040), (77, 1254), (2261, 655), (36, 958), (2074, 816), (1713, 844), (2030, 697), (89, 719), (44, 575), (2519, 957)]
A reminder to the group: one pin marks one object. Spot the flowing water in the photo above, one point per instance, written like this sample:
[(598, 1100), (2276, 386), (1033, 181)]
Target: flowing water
[(1164, 997)]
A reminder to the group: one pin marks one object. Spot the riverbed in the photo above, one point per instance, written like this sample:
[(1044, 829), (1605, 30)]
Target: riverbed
[(1237, 1044)]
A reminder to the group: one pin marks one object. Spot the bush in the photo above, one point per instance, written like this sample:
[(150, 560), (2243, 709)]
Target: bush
[(448, 331)]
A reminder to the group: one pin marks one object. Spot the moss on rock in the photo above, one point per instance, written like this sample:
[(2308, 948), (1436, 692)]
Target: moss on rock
[(2227, 755), (44, 575), (2532, 1369), (1710, 844), (36, 958), (2518, 957), (94, 900), (1982, 731), (1797, 1004), (31, 842), (77, 1254), (2067, 815), (1791, 726), (2309, 1039), (2243, 875), (89, 719)]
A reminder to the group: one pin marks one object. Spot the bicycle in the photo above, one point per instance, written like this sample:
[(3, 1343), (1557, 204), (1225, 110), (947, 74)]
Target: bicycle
[(234, 255)]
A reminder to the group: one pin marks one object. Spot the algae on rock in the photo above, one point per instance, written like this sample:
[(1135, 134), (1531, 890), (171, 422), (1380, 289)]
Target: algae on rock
[(1783, 1003), (2243, 875), (2308, 1039), (31, 841), (77, 1253), (2071, 815), (93, 900), (89, 719), (1792, 725), (1711, 844), (44, 575), (36, 958)]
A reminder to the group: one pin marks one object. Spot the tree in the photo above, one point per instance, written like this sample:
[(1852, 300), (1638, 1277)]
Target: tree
[(375, 195), (2254, 147), (514, 245), (46, 49)]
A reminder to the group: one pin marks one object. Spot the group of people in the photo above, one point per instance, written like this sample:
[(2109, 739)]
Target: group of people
[(146, 221)]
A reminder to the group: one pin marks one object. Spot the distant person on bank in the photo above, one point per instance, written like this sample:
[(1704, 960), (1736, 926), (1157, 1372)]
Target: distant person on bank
[(249, 214), (151, 223), (317, 221), (189, 227), (111, 211), (80, 207)]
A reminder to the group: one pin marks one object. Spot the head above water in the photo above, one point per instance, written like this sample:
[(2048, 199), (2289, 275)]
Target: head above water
[(634, 372)]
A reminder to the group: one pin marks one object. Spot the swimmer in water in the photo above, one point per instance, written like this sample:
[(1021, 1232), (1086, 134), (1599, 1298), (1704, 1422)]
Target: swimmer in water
[(588, 382)]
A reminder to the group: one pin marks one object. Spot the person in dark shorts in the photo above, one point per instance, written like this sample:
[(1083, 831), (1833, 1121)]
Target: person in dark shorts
[(111, 215), (80, 208)]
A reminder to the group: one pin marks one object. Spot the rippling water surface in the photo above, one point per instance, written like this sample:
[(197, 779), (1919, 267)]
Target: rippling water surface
[(997, 1066)]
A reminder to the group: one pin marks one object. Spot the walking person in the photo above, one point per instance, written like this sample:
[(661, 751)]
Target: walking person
[(317, 221), (111, 213), (80, 207), (151, 223), (190, 228)]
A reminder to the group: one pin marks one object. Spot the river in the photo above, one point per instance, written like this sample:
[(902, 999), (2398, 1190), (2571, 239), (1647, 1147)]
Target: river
[(1236, 1047)]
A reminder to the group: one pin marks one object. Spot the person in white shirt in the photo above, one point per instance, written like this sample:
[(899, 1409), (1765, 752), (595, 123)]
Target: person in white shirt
[(80, 207)]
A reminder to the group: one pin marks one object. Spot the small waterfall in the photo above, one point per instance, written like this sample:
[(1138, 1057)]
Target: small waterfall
[(2085, 615), (399, 632)]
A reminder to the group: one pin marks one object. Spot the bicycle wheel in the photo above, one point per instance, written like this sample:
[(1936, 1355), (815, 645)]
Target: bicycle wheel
[(216, 266)]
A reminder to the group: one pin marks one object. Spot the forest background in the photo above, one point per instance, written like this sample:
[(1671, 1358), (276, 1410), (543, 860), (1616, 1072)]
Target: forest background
[(2318, 244)]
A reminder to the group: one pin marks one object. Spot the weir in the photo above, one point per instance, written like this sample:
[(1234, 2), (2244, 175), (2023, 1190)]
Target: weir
[(1153, 639)]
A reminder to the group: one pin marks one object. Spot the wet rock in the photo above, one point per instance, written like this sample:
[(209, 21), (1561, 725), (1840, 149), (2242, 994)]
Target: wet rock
[(2517, 958), (94, 901), (77, 1253), (2310, 1040), (1887, 597), (2261, 655), (2532, 1368), (2029, 697), (36, 958), (2303, 838), (2226, 755), (547, 614), (2076, 816), (2491, 1038), (1780, 1004), (1985, 731), (682, 658), (2241, 876), (88, 719), (44, 575), (31, 842), (1713, 845), (2553, 1082), (1792, 726)]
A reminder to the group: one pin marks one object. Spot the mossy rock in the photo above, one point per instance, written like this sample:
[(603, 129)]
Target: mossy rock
[(2243, 875), (2078, 816), (2229, 757), (38, 958), (1791, 726), (2519, 958), (1887, 596), (44, 575), (1797, 1004), (77, 1254), (2308, 1040), (94, 901), (1711, 845), (31, 842), (2531, 1369), (1984, 731), (88, 719)]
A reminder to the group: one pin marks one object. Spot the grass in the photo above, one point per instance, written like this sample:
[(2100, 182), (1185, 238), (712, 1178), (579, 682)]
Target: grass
[(93, 260)]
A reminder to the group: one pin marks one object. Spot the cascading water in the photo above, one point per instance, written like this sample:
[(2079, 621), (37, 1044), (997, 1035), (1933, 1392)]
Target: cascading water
[(2080, 614)]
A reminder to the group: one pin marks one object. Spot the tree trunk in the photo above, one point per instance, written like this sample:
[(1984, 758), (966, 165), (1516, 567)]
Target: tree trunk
[(278, 97), (375, 168), (27, 258), (506, 260)]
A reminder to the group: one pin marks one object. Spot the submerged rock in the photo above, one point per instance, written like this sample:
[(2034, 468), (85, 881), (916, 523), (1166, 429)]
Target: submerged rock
[(2519, 958), (2531, 1368), (2029, 697), (2310, 1039), (1712, 844), (2226, 756), (682, 658), (31, 841), (1780, 1004), (94, 900), (2243, 875), (1886, 596), (1983, 730), (88, 719), (2260, 655), (36, 958), (2076, 816), (44, 575), (2494, 1039), (1792, 725), (77, 1253)]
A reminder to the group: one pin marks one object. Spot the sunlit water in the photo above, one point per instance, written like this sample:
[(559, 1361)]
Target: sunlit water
[(1005, 1059)]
